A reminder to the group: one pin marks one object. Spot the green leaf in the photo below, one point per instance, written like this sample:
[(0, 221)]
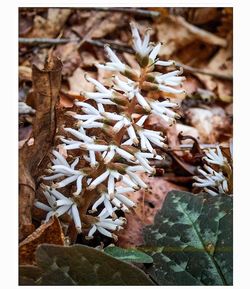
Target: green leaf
[(191, 240), (129, 255), (81, 265), (29, 274)]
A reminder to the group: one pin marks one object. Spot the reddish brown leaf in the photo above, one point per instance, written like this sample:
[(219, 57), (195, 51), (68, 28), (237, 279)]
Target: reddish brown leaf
[(46, 85), (149, 203), (50, 233)]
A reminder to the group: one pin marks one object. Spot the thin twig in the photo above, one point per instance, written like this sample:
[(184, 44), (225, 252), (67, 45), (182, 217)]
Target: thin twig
[(199, 33), (135, 11), (51, 41), (189, 146), (117, 47), (206, 72)]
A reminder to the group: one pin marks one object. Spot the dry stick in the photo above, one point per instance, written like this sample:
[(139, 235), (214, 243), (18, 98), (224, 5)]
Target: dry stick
[(117, 47), (206, 72), (199, 33), (135, 11)]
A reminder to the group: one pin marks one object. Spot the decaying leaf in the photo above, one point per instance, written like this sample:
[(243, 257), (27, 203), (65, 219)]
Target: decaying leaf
[(148, 204), (78, 82), (49, 233), (177, 33), (51, 26), (46, 85), (211, 123)]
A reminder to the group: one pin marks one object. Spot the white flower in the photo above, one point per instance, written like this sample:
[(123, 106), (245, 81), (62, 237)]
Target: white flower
[(216, 180), (149, 136), (112, 176), (104, 225), (61, 168), (81, 134), (141, 47), (162, 109), (115, 64), (103, 95), (215, 157), (129, 87), (170, 78), (155, 52), (91, 116), (125, 122), (165, 63), (142, 158), (59, 205)]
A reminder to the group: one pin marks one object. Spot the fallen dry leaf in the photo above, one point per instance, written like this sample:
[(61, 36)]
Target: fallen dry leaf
[(210, 123), (49, 233), (46, 84), (25, 73), (70, 57), (176, 33), (111, 22), (149, 203), (78, 82), (50, 27)]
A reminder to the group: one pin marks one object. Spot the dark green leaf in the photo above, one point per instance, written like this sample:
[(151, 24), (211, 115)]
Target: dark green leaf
[(191, 240), (82, 265), (129, 255), (29, 275)]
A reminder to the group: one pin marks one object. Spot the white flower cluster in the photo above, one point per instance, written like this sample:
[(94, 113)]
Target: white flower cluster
[(116, 160), (211, 181)]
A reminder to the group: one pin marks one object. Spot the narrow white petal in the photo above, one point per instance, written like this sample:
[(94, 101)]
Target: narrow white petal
[(118, 126), (165, 63), (62, 210), (137, 179), (76, 218), (106, 225), (99, 180), (93, 162), (132, 135), (92, 231), (78, 185), (75, 162), (124, 154), (108, 206), (142, 101), (104, 232), (109, 156), (122, 190), (111, 54), (56, 176), (66, 181), (66, 169), (97, 84), (155, 52), (57, 194), (129, 182), (60, 158), (49, 215), (63, 202), (111, 184), (141, 121), (42, 206), (96, 147), (98, 203), (125, 200)]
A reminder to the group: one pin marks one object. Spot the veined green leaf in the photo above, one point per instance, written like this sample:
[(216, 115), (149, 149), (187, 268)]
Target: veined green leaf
[(191, 240)]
